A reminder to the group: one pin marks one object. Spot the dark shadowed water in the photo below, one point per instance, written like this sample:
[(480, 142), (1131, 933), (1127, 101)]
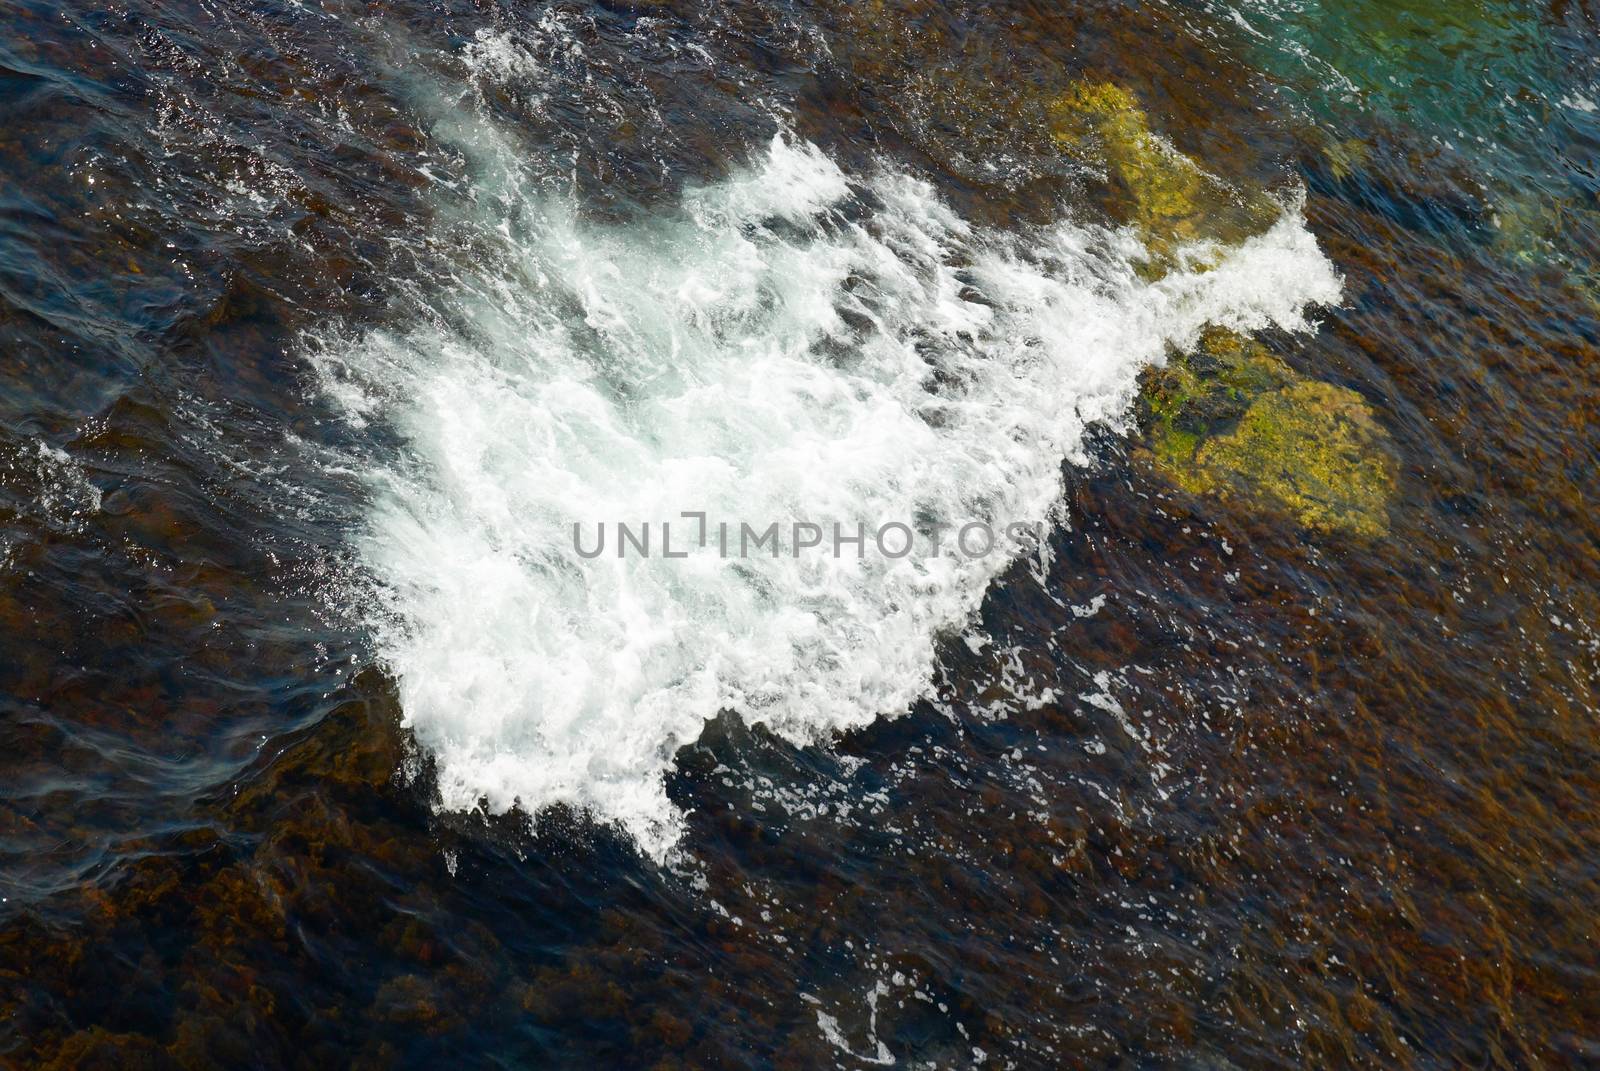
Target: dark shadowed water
[(321, 324)]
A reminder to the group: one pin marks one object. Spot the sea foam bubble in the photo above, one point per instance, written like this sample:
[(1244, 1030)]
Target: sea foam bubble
[(790, 343)]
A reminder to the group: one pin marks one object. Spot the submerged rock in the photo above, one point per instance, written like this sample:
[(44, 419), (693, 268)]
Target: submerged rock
[(1315, 448), (1540, 230), (1167, 196), (1537, 227), (1231, 419), (1347, 157)]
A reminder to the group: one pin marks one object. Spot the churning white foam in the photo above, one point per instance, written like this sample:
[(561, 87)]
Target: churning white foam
[(790, 344)]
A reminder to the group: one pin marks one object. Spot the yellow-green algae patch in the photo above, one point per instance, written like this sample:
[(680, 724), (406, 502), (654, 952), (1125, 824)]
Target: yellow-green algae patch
[(1168, 197), (1231, 419), (1347, 157), (1542, 230)]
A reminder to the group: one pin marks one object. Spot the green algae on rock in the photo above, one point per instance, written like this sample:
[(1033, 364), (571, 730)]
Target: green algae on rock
[(1167, 196), (1230, 418), (1315, 448), (1347, 157)]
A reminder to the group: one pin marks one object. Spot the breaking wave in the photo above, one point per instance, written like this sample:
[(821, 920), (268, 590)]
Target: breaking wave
[(791, 343)]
